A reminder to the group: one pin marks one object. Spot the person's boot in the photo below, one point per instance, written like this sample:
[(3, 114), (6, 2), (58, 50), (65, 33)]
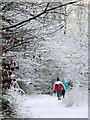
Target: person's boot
[(59, 98)]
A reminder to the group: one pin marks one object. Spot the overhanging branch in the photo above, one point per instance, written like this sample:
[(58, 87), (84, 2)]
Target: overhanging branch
[(14, 46), (45, 11)]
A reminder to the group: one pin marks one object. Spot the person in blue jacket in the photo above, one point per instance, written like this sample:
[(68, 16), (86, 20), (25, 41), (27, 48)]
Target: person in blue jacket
[(65, 88)]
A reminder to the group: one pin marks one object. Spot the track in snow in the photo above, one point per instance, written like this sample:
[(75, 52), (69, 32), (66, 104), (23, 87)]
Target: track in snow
[(45, 106)]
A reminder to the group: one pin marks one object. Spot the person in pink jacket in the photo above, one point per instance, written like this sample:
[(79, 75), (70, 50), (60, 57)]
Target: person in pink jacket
[(58, 87)]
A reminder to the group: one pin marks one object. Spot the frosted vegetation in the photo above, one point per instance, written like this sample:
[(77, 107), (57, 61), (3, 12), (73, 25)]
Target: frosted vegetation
[(57, 47)]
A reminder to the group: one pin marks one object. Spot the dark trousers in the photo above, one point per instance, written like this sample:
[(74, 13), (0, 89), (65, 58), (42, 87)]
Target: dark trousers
[(59, 93), (63, 93)]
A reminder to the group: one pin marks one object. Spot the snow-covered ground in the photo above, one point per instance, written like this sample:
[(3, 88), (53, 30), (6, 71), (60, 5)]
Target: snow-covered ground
[(63, 55), (46, 106)]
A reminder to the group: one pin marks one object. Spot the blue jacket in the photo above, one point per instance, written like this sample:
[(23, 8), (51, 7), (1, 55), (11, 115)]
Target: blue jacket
[(65, 85)]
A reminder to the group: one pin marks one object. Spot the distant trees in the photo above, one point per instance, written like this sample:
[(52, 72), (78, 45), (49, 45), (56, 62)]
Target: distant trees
[(26, 19), (24, 25)]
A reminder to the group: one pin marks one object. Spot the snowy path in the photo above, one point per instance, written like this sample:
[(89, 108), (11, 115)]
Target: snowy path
[(45, 106)]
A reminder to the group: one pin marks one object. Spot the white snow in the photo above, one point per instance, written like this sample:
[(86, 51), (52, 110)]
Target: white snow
[(46, 106), (63, 55)]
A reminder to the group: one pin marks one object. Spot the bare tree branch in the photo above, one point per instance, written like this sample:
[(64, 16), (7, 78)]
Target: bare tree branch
[(58, 13), (17, 45), (63, 5), (46, 7), (45, 11)]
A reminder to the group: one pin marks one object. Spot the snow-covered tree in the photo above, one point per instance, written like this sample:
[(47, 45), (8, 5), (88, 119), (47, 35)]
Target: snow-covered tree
[(43, 41)]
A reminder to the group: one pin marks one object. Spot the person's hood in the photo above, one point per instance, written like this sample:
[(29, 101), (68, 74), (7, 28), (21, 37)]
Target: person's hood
[(58, 82), (63, 81)]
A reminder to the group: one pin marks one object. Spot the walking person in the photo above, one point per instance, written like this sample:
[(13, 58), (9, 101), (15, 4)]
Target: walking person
[(58, 88), (65, 88)]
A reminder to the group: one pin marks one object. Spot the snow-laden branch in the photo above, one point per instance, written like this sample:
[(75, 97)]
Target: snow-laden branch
[(19, 44), (38, 15)]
